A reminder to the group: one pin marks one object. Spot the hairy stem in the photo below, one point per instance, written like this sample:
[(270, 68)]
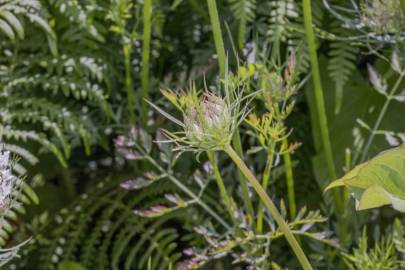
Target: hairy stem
[(271, 207), (290, 181), (147, 14), (220, 48), (381, 117), (321, 112)]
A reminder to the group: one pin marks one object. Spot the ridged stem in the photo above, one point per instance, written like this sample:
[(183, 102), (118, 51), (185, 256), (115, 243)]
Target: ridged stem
[(265, 183), (147, 14), (219, 42), (220, 48), (268, 203), (321, 113), (289, 177)]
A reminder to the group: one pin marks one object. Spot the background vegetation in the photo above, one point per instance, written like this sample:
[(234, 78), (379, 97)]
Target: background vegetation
[(82, 112)]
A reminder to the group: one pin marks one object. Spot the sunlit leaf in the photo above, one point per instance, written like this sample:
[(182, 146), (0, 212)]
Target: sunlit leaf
[(379, 181)]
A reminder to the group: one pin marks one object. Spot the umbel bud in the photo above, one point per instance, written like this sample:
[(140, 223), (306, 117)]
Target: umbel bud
[(208, 124), (209, 120)]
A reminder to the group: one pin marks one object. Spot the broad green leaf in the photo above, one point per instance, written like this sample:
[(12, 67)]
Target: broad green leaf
[(70, 265), (379, 181)]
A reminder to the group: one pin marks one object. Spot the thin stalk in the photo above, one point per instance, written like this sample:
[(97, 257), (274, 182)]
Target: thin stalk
[(184, 188), (381, 117), (126, 49), (348, 167), (321, 112), (265, 183), (147, 14), (289, 177), (271, 207), (222, 189), (403, 6), (242, 32), (220, 48), (219, 42)]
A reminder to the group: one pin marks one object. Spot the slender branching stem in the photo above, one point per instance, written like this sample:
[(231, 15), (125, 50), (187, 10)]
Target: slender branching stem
[(184, 188), (126, 48), (289, 181), (270, 207), (265, 183), (147, 14), (220, 48), (222, 189), (381, 115), (321, 112)]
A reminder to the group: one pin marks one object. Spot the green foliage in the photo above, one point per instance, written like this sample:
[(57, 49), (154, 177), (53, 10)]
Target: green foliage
[(100, 231), (378, 182), (381, 256), (74, 75)]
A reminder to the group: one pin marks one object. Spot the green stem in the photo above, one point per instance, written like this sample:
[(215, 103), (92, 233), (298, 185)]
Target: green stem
[(126, 48), (147, 14), (217, 175), (271, 207), (381, 117), (219, 42), (290, 181), (265, 183), (321, 112), (220, 48), (242, 32), (184, 188), (403, 6)]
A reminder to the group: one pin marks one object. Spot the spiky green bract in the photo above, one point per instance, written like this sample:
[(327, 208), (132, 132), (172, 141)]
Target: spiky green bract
[(209, 120)]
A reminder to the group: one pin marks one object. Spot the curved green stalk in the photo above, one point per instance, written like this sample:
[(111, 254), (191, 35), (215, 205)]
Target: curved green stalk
[(321, 112), (220, 48), (271, 207), (147, 14), (290, 182)]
